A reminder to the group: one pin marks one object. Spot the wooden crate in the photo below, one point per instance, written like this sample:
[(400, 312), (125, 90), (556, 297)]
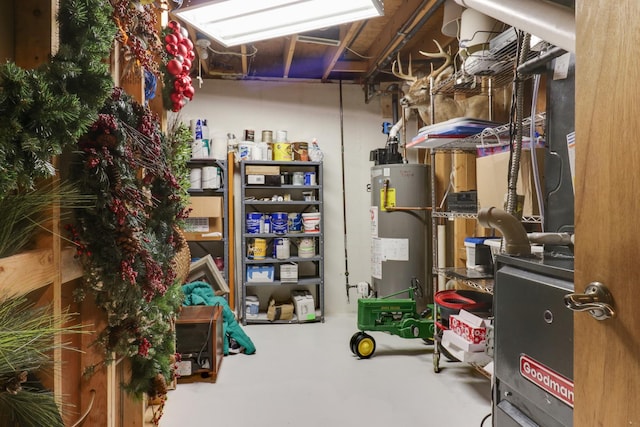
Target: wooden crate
[(201, 321)]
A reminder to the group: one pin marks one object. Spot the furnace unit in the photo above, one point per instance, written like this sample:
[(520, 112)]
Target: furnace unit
[(533, 337)]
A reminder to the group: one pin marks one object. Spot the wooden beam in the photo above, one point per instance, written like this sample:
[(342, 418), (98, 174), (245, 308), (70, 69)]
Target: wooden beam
[(289, 49), (401, 23), (243, 60), (336, 53), (350, 67)]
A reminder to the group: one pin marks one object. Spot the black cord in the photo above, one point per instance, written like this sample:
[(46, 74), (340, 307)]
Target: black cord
[(485, 419), (206, 343)]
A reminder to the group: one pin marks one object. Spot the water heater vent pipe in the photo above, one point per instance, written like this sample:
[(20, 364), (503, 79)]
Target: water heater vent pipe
[(553, 23)]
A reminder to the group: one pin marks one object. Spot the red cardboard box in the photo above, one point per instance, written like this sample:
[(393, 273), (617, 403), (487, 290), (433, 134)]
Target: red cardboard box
[(469, 326)]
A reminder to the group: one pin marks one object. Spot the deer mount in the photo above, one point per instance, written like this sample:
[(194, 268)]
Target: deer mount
[(447, 106)]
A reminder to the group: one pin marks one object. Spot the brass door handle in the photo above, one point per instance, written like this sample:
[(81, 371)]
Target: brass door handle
[(596, 299)]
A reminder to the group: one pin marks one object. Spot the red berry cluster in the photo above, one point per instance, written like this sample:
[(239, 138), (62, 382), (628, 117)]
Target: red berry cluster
[(74, 236), (143, 347), (180, 49)]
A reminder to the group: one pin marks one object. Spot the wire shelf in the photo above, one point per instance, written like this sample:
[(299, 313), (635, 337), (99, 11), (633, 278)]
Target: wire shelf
[(495, 65)]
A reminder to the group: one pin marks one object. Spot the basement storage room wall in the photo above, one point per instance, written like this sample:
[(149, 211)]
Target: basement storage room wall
[(307, 111)]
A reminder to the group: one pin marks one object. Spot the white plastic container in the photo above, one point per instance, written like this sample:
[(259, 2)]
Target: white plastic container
[(311, 222), (252, 306)]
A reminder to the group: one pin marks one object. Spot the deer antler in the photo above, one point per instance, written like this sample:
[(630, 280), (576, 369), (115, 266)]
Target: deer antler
[(441, 54), (399, 73)]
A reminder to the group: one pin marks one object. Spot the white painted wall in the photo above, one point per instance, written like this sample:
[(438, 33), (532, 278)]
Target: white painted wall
[(306, 111)]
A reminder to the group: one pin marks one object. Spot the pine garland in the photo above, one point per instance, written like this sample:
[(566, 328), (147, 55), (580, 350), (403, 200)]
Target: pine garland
[(128, 241), (42, 111)]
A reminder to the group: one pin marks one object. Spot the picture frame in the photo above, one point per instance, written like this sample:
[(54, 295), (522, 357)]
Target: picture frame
[(205, 269)]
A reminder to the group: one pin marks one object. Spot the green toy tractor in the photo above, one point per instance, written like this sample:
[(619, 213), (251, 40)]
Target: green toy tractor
[(396, 316)]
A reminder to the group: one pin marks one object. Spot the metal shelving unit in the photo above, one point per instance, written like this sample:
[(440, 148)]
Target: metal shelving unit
[(260, 198), (468, 277), (214, 246)]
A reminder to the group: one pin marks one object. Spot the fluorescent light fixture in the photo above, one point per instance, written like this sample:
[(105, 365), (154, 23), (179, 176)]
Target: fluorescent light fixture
[(318, 40), (235, 22)]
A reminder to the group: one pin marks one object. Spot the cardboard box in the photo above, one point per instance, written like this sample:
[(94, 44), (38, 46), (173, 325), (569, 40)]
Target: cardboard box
[(270, 180), (279, 310), (469, 326), (260, 273), (492, 178), (262, 170), (303, 305), (461, 343), (206, 207), (205, 218), (289, 273), (255, 179), (476, 357)]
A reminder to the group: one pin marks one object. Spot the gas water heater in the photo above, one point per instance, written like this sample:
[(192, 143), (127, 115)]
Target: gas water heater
[(400, 230)]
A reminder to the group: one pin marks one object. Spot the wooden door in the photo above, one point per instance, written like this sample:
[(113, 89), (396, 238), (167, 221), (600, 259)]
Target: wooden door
[(607, 187)]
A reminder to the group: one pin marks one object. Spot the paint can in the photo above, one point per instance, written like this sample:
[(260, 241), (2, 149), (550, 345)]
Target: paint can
[(295, 222), (279, 222), (306, 247), (301, 151), (281, 136), (311, 222), (282, 152), (253, 222), (249, 135), (267, 136), (281, 248), (257, 249)]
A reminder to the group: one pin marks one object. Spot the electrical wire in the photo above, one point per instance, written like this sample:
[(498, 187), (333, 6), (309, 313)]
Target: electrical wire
[(255, 51), (344, 195), (534, 154), (206, 343), (485, 419), (358, 54)]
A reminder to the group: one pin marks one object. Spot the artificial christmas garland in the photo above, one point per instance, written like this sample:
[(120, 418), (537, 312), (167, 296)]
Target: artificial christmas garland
[(128, 241), (42, 111)]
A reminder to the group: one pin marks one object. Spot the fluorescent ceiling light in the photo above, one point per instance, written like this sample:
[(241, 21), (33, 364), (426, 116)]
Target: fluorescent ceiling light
[(235, 22), (318, 40)]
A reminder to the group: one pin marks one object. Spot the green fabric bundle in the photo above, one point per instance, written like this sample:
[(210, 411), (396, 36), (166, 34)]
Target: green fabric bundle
[(201, 293)]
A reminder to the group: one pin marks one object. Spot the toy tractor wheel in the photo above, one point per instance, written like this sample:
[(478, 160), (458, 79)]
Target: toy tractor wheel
[(364, 345), (352, 342)]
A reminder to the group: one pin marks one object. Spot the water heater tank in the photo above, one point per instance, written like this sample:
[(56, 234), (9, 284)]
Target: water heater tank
[(400, 239)]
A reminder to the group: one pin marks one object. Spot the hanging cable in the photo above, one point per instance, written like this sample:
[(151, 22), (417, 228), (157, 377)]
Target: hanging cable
[(512, 195), (344, 198), (534, 154)]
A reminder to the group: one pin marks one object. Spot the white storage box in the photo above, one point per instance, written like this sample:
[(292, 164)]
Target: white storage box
[(260, 273), (289, 273), (252, 306), (303, 305), (478, 254)]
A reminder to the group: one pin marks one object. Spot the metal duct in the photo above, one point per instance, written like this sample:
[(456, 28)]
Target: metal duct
[(551, 22)]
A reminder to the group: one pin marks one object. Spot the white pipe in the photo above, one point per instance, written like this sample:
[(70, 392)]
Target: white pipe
[(442, 255), (394, 130), (552, 23)]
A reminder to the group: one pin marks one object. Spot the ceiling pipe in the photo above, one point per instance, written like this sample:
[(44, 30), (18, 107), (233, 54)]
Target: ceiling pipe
[(551, 22)]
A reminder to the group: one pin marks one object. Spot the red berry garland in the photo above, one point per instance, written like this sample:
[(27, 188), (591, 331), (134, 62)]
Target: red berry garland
[(180, 54)]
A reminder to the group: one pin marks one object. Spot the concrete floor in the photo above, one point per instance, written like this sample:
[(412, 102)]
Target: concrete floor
[(304, 375)]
